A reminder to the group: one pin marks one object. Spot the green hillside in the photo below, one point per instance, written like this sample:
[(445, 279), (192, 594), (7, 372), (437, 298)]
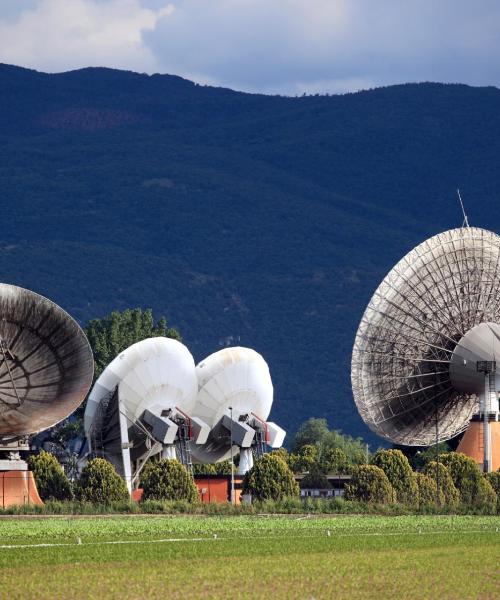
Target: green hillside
[(246, 219)]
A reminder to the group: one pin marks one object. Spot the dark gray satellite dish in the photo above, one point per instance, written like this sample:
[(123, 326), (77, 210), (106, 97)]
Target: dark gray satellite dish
[(46, 364)]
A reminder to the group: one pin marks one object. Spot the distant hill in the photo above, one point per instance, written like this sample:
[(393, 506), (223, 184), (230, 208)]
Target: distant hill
[(246, 219)]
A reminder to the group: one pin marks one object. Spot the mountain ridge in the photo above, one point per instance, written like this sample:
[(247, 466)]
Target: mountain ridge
[(265, 221)]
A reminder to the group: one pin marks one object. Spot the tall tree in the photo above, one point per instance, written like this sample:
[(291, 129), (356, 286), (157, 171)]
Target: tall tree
[(369, 484), (311, 433), (270, 479), (398, 470), (315, 432), (335, 461)]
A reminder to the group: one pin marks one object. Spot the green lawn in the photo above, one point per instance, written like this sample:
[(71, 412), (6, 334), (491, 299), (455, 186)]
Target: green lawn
[(250, 557)]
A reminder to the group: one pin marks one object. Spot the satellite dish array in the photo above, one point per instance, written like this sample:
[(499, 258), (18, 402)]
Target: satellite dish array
[(423, 368), (151, 399)]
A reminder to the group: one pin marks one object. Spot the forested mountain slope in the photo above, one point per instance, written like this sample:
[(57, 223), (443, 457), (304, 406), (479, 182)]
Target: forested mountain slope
[(246, 219)]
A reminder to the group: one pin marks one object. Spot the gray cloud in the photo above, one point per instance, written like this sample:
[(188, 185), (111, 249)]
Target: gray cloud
[(329, 45), (285, 46), (11, 9), (56, 35)]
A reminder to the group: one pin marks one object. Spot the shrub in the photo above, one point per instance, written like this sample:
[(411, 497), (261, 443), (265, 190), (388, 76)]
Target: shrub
[(168, 479), (486, 497), (494, 479), (428, 491), (369, 483), (399, 473), (270, 479), (203, 469), (335, 461), (465, 474), (439, 472), (50, 479), (100, 483), (281, 453), (224, 467), (307, 459)]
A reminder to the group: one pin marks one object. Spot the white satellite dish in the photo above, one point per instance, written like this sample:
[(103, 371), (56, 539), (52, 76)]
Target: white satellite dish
[(235, 398), (141, 405)]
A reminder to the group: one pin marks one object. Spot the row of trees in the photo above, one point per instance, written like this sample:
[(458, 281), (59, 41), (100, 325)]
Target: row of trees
[(455, 480), (317, 448), (164, 479), (389, 478), (99, 483)]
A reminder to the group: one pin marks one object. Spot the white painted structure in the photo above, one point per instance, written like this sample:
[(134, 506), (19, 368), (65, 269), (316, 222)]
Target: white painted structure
[(154, 371), (235, 397), (136, 405)]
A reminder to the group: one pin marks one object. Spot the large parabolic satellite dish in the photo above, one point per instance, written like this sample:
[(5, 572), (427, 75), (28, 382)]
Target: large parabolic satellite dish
[(142, 405), (235, 397), (415, 358), (46, 364)]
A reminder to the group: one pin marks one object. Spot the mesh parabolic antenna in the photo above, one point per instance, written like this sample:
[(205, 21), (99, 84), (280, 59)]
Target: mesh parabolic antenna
[(411, 330), (46, 365)]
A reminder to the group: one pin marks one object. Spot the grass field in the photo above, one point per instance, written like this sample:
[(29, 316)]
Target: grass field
[(250, 557)]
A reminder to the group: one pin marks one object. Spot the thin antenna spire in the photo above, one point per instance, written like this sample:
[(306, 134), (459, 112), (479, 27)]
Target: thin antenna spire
[(466, 220)]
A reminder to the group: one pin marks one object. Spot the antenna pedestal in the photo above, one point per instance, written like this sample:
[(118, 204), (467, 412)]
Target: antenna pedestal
[(472, 443), (488, 368), (17, 484), (246, 461)]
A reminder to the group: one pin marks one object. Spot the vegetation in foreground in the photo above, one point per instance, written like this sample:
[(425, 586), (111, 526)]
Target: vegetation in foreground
[(286, 506), (387, 486), (214, 557)]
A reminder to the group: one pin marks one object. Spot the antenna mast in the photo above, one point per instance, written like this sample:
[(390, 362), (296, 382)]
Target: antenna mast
[(466, 220)]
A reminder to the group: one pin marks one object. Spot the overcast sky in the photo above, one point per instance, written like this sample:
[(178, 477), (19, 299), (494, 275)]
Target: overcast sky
[(271, 46)]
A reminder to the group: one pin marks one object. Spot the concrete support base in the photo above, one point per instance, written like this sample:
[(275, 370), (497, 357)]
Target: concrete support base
[(472, 443), (18, 488)]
